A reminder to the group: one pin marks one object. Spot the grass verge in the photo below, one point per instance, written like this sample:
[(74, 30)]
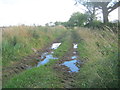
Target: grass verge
[(99, 52)]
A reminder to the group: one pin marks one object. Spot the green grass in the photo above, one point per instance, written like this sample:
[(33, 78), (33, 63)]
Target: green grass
[(97, 49), (66, 44), (100, 68), (19, 41), (43, 76)]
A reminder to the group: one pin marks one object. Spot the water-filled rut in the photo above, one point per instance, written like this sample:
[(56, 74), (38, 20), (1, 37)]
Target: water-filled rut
[(46, 56), (39, 58), (72, 62)]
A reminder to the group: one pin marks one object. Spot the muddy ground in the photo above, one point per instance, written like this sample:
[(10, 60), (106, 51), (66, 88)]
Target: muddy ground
[(65, 73), (27, 62)]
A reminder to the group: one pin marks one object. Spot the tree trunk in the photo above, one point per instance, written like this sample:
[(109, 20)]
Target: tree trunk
[(105, 14)]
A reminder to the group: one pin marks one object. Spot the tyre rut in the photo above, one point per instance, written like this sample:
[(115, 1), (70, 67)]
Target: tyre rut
[(27, 62), (66, 75)]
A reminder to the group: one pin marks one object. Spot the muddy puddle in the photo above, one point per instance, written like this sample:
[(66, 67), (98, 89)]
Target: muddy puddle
[(46, 60), (72, 63), (74, 57), (31, 61), (45, 57), (75, 46)]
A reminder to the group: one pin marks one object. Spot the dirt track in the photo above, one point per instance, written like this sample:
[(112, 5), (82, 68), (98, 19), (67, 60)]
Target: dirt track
[(65, 73), (26, 63)]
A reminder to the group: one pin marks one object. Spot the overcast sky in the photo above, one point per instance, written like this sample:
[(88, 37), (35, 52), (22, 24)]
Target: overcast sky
[(39, 12)]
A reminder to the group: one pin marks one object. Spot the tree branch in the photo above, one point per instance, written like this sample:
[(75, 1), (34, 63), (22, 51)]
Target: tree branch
[(114, 7)]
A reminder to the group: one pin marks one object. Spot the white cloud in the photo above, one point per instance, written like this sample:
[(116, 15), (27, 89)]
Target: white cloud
[(35, 11), (14, 12), (114, 15)]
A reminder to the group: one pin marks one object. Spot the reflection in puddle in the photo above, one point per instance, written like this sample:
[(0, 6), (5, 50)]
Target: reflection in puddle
[(74, 57), (46, 60), (55, 45), (71, 65), (47, 56), (75, 45)]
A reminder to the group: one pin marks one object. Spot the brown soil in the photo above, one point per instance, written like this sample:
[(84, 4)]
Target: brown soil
[(66, 76), (32, 60), (25, 63)]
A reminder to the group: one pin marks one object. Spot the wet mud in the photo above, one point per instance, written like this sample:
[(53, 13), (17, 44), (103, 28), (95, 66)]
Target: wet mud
[(68, 66), (41, 57)]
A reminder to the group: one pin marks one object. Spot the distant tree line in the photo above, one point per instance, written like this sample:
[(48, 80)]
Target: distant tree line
[(89, 19), (77, 19)]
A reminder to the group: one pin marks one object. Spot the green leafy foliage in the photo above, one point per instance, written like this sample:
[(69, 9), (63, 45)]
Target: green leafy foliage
[(77, 19)]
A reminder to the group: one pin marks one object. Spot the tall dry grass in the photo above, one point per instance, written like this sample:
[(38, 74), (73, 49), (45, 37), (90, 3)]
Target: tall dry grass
[(99, 52), (18, 41)]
